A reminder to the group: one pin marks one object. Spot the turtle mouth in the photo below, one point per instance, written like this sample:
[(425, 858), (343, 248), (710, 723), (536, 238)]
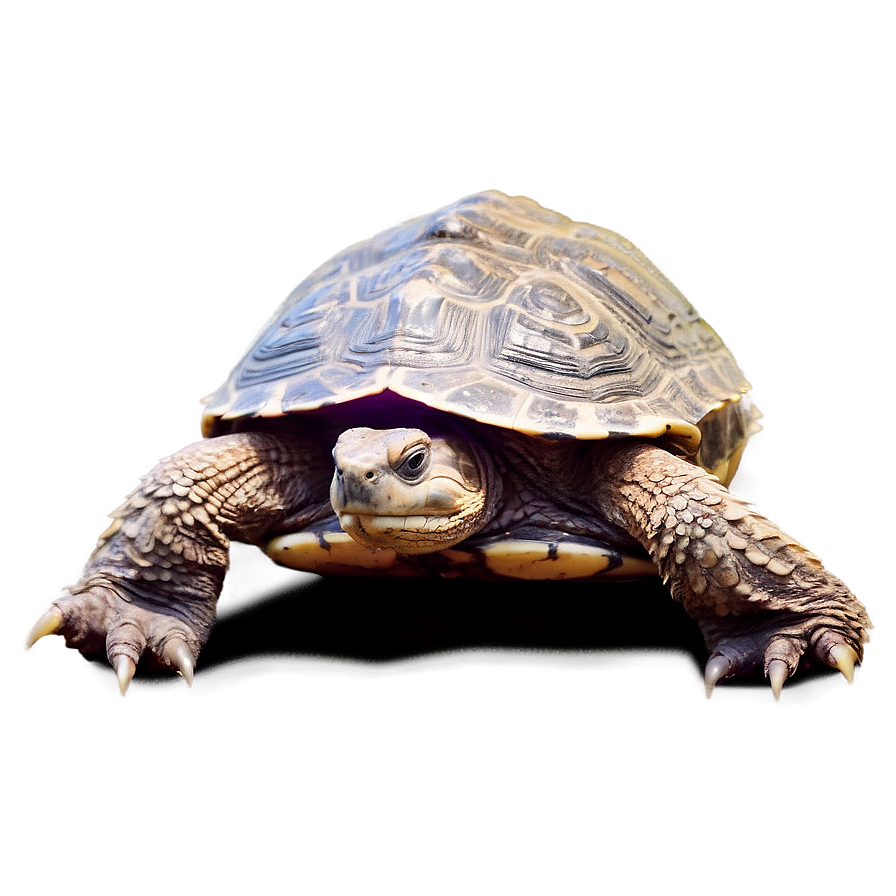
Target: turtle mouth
[(399, 532)]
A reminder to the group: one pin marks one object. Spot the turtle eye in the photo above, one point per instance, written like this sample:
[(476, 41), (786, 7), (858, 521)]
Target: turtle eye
[(413, 465)]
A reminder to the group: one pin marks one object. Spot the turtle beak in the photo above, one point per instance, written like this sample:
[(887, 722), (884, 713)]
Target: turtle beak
[(349, 490)]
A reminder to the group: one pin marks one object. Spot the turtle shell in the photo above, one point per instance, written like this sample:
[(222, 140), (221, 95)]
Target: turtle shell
[(498, 310)]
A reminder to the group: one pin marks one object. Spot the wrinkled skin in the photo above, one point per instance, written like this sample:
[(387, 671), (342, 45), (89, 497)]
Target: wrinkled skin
[(762, 601)]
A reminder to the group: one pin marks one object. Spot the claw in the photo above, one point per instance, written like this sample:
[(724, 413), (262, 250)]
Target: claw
[(124, 668), (178, 654), (778, 672), (48, 624), (843, 657), (716, 669)]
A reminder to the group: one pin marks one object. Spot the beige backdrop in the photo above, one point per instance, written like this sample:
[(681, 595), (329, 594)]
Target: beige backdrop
[(172, 171)]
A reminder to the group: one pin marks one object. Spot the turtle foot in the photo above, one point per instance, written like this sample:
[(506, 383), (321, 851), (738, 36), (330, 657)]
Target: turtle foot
[(763, 601), (150, 587), (100, 620), (775, 644)]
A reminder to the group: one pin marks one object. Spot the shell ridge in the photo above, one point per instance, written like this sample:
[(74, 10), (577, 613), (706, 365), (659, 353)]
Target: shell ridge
[(496, 309)]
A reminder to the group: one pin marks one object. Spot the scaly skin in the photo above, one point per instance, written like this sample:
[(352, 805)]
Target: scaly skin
[(154, 579), (761, 599)]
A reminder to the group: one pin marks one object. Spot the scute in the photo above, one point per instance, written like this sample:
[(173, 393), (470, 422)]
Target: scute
[(498, 310)]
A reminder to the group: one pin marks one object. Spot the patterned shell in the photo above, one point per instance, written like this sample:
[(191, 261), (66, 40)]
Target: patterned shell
[(494, 309)]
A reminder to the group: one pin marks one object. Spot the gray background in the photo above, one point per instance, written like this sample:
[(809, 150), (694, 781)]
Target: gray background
[(171, 172)]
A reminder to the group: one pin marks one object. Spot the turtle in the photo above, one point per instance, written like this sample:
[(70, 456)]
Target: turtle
[(492, 390)]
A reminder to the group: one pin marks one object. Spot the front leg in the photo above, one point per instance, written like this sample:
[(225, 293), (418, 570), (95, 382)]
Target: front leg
[(761, 599), (153, 581)]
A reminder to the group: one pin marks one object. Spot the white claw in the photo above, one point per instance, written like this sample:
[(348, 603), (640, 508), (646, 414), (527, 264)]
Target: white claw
[(778, 672), (178, 654), (48, 624), (124, 668), (716, 669), (843, 657)]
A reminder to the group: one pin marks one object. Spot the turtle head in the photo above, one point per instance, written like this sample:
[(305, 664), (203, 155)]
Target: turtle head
[(405, 490)]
